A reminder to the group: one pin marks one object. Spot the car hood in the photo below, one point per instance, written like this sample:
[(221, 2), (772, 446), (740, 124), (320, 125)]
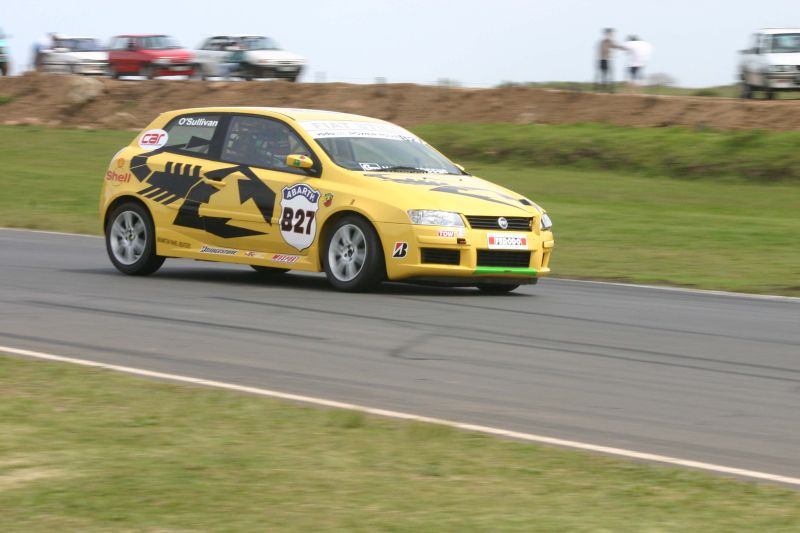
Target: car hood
[(171, 53), (274, 55), (783, 59), (87, 56), (464, 194)]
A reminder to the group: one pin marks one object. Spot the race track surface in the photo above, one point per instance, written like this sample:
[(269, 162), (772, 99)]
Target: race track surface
[(706, 377)]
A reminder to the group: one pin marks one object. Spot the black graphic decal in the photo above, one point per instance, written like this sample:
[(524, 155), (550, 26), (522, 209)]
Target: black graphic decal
[(189, 182), (439, 186), (472, 191)]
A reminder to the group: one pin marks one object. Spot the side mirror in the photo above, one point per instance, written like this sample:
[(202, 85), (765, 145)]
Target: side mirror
[(132, 47), (299, 161), (756, 50)]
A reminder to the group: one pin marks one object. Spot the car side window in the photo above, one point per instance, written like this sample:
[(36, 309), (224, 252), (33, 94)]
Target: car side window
[(120, 43), (766, 44), (192, 133), (262, 142)]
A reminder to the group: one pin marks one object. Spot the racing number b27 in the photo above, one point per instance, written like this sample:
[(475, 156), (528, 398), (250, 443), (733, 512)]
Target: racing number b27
[(298, 221)]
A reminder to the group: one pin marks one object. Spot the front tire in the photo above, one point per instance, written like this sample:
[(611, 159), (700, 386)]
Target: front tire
[(745, 91), (352, 255), (130, 240)]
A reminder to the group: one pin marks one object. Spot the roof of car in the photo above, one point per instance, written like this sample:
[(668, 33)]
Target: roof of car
[(236, 35), (292, 113), (772, 31), (141, 35)]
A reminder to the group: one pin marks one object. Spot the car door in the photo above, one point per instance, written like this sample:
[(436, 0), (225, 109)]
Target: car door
[(269, 196), (124, 56), (181, 177)]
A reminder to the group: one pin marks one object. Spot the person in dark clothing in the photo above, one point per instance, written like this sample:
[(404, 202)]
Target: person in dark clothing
[(605, 72)]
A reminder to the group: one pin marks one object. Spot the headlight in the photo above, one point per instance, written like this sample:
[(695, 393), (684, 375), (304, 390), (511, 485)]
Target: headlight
[(780, 68), (545, 223), (423, 217), (161, 60)]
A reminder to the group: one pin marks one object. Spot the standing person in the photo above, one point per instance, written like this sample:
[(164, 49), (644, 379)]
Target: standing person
[(639, 53), (5, 60), (605, 68)]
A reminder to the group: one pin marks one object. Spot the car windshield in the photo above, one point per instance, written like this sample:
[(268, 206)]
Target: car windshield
[(784, 43), (80, 45), (376, 146), (258, 43), (158, 42)]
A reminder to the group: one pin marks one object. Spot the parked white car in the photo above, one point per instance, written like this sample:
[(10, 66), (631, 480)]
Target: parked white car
[(772, 63), (248, 57), (78, 55)]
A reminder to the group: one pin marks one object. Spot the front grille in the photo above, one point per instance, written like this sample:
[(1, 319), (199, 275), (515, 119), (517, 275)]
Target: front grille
[(514, 223), (503, 258), (441, 256)]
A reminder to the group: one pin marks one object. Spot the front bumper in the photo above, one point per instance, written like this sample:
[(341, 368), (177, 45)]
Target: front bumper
[(785, 80), (464, 255), (173, 69), (99, 68), (278, 71)]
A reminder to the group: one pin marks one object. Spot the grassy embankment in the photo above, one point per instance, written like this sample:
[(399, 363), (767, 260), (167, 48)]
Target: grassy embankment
[(706, 209), (89, 450)]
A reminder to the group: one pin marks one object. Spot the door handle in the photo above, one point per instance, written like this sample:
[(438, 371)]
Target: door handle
[(213, 183)]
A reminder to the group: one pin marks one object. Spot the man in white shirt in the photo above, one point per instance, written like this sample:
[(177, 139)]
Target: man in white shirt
[(639, 53)]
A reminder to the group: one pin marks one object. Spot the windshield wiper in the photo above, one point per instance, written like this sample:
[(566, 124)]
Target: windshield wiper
[(399, 168)]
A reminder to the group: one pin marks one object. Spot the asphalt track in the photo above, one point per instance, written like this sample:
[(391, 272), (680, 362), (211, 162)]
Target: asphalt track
[(701, 376)]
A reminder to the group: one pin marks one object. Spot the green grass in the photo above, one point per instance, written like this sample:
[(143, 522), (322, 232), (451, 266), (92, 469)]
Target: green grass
[(723, 233), (6, 99), (676, 152), (51, 177), (88, 450), (706, 234)]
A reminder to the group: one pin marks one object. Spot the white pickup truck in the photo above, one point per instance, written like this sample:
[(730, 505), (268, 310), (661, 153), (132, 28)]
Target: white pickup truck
[(772, 63), (248, 57)]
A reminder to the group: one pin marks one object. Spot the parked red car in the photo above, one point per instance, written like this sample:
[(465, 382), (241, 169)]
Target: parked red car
[(148, 56)]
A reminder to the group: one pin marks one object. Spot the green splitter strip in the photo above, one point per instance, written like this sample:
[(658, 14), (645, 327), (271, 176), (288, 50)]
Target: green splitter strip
[(505, 270)]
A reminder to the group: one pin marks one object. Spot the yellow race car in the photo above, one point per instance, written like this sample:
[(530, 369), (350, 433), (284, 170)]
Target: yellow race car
[(359, 198)]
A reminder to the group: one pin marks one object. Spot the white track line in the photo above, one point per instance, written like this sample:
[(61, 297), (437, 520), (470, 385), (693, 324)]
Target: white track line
[(708, 292), (51, 232), (569, 280), (530, 437)]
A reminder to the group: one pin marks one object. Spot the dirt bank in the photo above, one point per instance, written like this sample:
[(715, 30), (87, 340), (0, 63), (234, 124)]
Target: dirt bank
[(72, 101)]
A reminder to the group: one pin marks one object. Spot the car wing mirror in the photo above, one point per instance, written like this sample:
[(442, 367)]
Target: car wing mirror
[(299, 161)]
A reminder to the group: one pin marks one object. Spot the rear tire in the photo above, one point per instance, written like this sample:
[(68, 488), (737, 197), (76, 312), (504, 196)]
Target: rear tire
[(130, 240), (352, 256), (496, 288)]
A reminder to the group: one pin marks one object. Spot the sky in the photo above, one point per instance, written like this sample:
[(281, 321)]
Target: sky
[(478, 43)]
